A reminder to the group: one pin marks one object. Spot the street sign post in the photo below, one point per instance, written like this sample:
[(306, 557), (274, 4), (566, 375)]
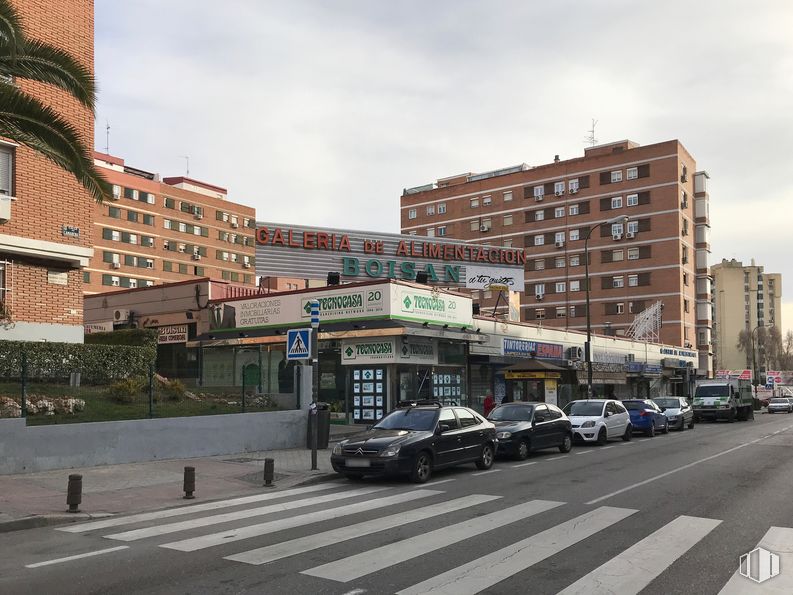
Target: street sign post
[(297, 344), (314, 304)]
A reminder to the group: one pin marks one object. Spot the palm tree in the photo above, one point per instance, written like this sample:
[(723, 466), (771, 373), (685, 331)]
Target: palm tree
[(26, 120)]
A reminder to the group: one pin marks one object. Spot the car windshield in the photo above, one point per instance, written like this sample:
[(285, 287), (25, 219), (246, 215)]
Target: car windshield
[(667, 402), (409, 419), (783, 401), (583, 408), (511, 413), (636, 405), (713, 390)]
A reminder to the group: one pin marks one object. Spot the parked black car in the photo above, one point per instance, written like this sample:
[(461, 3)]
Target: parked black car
[(524, 427), (416, 439)]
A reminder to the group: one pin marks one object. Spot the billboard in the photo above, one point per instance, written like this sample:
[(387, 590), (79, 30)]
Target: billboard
[(296, 251)]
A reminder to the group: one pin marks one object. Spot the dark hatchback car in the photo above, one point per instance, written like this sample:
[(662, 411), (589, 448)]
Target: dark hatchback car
[(524, 427), (414, 440)]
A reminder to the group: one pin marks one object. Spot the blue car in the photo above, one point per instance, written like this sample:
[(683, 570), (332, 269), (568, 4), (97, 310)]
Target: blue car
[(646, 416)]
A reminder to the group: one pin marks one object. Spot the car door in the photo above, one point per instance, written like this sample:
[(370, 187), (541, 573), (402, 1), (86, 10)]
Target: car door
[(660, 418), (472, 433), (686, 412), (448, 443), (557, 429), (541, 428), (610, 414), (622, 418)]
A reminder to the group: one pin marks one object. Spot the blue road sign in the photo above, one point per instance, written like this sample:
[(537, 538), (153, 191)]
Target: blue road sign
[(297, 343)]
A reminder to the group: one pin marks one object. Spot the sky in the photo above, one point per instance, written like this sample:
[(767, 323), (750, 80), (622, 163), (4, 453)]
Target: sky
[(321, 112)]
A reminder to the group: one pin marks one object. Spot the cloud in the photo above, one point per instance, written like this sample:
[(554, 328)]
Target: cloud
[(323, 112)]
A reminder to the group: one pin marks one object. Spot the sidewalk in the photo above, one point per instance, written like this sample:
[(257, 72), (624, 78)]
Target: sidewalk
[(37, 499)]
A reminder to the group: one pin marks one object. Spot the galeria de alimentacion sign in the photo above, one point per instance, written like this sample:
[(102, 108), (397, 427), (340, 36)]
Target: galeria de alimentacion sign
[(311, 253)]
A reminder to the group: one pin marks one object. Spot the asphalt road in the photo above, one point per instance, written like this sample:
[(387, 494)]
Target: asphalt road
[(671, 514)]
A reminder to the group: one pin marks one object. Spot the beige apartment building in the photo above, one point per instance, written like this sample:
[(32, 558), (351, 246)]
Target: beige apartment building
[(660, 254), (156, 231), (744, 298)]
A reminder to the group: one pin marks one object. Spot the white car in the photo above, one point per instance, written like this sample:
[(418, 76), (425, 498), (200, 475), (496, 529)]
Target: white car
[(599, 420)]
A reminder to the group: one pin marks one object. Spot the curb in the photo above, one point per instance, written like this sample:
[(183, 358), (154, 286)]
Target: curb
[(47, 520)]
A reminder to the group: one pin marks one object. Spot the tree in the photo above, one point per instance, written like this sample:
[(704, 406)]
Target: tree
[(772, 346), (786, 357), (745, 344), (26, 120)]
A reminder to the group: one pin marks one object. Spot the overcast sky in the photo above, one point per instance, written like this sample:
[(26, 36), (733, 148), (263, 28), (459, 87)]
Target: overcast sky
[(322, 112)]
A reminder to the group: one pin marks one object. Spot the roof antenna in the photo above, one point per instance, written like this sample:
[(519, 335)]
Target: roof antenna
[(590, 138), (186, 166), (107, 137)]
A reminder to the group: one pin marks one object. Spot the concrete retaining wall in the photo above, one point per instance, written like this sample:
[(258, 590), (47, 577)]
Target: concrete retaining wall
[(25, 449)]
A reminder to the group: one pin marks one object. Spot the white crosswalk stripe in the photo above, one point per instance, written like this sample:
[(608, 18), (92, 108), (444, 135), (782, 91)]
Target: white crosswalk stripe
[(136, 534), (198, 543), (500, 565), (192, 509), (778, 541), (293, 547), (635, 568), (377, 559)]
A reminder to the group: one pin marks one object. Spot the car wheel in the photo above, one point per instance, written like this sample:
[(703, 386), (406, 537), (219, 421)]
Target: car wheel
[(690, 424), (602, 436), (666, 427), (628, 435), (523, 450), (731, 416), (567, 444), (651, 430), (485, 460), (422, 468)]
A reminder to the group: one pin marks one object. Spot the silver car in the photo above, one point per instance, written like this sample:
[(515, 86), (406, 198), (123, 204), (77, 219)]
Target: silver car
[(779, 405), (678, 412)]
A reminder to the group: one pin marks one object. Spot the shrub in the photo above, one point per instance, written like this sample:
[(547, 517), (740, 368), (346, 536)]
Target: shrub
[(126, 390), (173, 390)]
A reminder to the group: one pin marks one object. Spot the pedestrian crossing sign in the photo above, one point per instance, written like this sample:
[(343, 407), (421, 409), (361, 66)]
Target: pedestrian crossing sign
[(297, 343)]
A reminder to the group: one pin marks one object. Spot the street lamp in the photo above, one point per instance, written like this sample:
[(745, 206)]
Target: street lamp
[(754, 360), (588, 345)]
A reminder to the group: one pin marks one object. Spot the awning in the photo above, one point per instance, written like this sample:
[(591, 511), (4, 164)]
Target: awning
[(533, 365), (603, 377)]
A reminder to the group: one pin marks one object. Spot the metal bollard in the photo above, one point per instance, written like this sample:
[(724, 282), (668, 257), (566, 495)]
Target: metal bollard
[(269, 473), (189, 483), (74, 492)]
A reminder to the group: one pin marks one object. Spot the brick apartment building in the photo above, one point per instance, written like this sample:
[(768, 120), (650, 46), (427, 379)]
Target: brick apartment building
[(47, 238), (167, 230), (660, 254)]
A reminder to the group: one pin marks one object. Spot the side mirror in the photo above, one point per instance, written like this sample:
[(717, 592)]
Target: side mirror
[(539, 419), (443, 428), (607, 414)]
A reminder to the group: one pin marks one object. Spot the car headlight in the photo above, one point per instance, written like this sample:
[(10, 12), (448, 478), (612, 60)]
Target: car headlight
[(390, 451), (588, 424), (504, 435), (338, 448)]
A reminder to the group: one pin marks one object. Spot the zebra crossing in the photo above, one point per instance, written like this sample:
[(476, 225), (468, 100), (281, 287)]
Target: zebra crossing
[(267, 517)]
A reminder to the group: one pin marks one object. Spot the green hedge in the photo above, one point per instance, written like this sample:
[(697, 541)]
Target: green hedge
[(96, 363), (135, 337)]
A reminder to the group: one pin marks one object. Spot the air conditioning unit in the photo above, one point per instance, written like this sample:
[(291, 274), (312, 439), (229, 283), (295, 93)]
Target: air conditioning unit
[(630, 235), (235, 225), (120, 315), (196, 257), (616, 236), (573, 190), (247, 265), (575, 353), (560, 244), (538, 198), (116, 265), (199, 216), (539, 297), (484, 228), (181, 248), (150, 264), (559, 193), (115, 283)]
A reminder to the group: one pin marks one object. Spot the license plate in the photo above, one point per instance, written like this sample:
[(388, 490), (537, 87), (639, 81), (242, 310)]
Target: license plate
[(358, 462)]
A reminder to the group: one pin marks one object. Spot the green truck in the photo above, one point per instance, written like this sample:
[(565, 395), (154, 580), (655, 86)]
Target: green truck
[(723, 399)]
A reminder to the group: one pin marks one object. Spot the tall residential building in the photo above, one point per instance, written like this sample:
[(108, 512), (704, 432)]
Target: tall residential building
[(659, 254), (157, 231), (45, 216), (744, 297)]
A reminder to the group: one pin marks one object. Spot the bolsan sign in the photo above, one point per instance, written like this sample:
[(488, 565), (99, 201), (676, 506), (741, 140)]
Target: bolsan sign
[(311, 253)]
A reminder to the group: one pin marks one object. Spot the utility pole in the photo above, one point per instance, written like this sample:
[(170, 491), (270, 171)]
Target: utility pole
[(314, 379)]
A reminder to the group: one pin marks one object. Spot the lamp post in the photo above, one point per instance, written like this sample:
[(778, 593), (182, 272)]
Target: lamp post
[(588, 345), (754, 360)]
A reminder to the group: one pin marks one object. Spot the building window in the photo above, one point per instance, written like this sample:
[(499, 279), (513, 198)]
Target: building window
[(539, 264), (132, 216), (539, 215), (685, 226), (442, 230), (182, 227), (131, 193), (632, 200), (508, 196), (616, 255), (558, 188), (573, 210), (618, 281), (572, 311), (507, 219), (572, 185), (539, 240), (170, 203), (632, 173), (539, 313), (86, 277), (114, 212), (559, 237), (616, 202), (561, 312), (633, 280), (559, 262), (430, 209), (474, 203), (558, 212), (411, 213), (683, 200), (431, 232), (633, 227), (616, 176), (539, 191), (507, 243), (574, 234), (686, 306), (620, 308), (147, 241), (148, 219), (441, 208), (560, 286), (616, 229), (116, 191), (475, 225), (685, 255), (115, 235), (486, 201), (685, 278), (633, 254), (575, 260), (575, 286), (539, 289)]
